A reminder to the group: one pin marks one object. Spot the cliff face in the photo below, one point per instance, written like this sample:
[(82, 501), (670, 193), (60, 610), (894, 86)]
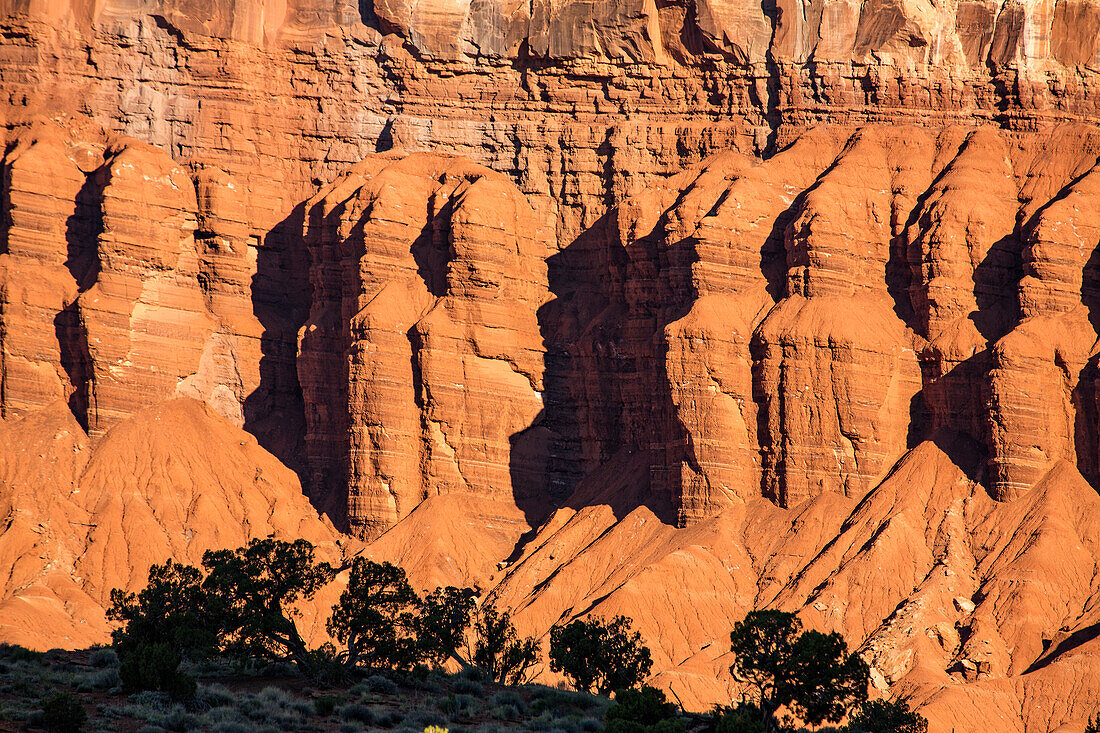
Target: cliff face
[(730, 304)]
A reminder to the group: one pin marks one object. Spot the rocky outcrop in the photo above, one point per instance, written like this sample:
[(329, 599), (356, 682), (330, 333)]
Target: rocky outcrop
[(42, 188), (81, 519), (422, 355), (130, 279), (1042, 383)]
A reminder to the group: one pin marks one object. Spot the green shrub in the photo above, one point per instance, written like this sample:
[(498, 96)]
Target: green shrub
[(233, 726), (155, 666), (223, 714), (104, 657), (457, 706), (600, 655), (507, 711), (105, 679), (471, 673), (887, 716), (162, 623), (357, 713), (179, 720), (642, 711), (62, 713), (468, 687), (325, 705), (742, 719), (274, 696), (214, 696), (16, 653), (508, 697), (387, 718), (424, 718), (380, 685)]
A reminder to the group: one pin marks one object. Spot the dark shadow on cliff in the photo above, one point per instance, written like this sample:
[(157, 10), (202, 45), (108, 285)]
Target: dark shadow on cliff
[(594, 390), (1084, 397), (996, 283), (274, 412), (1073, 641), (82, 230), (76, 360)]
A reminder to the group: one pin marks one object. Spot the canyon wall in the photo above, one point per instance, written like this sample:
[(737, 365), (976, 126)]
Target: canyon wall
[(584, 302)]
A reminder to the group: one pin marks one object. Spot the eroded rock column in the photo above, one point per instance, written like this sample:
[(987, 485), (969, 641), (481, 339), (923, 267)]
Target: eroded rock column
[(834, 365)]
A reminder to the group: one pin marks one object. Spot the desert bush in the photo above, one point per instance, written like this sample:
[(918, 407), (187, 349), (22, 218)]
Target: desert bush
[(471, 673), (507, 711), (167, 620), (179, 720), (103, 657), (468, 687), (375, 618), (234, 726), (101, 680), (745, 718), (441, 623), (380, 685), (643, 711), (454, 706), (561, 703), (357, 713), (153, 666), (62, 713), (387, 718), (223, 714), (325, 705), (887, 716), (508, 697), (214, 696), (274, 696), (810, 673), (16, 653), (251, 592), (499, 652), (599, 655), (423, 718)]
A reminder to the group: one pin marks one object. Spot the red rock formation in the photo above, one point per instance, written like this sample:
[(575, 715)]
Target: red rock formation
[(42, 184), (82, 519), (428, 273), (734, 305)]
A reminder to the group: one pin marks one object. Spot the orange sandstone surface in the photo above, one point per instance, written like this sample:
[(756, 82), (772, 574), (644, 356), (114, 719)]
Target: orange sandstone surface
[(672, 309)]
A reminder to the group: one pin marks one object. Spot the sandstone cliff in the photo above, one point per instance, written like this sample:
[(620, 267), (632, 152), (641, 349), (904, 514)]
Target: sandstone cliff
[(673, 309)]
